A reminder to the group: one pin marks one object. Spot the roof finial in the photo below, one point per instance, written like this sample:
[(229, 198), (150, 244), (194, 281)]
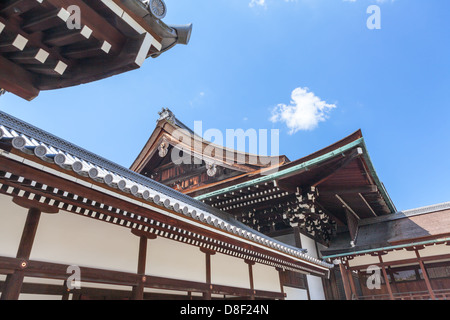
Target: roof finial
[(166, 114)]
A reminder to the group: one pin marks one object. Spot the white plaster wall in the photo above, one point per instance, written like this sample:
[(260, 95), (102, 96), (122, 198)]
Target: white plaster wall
[(434, 250), (399, 255), (34, 297), (229, 271), (12, 221), (266, 278), (78, 240), (315, 284), (363, 260), (171, 259), (295, 294)]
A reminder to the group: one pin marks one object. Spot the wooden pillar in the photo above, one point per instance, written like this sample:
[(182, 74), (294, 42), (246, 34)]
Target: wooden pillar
[(344, 275), (208, 253), (425, 276), (386, 279), (138, 291), (280, 274), (250, 275), (14, 281), (352, 284)]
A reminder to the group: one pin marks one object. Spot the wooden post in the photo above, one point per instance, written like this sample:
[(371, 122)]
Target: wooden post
[(425, 276), (280, 275), (14, 281), (352, 283), (386, 279), (250, 275), (208, 253), (138, 291), (348, 292)]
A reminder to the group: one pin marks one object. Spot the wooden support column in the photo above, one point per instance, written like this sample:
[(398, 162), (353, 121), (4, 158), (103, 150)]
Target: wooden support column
[(344, 275), (425, 276), (280, 274), (250, 275), (352, 284), (386, 279), (208, 253), (14, 281), (138, 291)]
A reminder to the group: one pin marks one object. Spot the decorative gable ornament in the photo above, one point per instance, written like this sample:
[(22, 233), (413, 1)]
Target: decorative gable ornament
[(211, 169), (163, 148), (166, 114)]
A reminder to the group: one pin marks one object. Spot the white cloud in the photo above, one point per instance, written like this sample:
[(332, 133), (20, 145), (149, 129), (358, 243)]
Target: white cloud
[(263, 3), (257, 3), (304, 112), (378, 1)]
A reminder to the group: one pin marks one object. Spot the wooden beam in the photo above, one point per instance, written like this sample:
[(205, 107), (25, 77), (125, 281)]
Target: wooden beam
[(34, 40), (101, 28), (131, 58), (13, 44), (347, 206), (64, 36), (352, 224), (367, 204), (32, 204), (347, 190), (29, 56), (17, 7), (41, 269), (47, 21), (53, 68), (89, 50)]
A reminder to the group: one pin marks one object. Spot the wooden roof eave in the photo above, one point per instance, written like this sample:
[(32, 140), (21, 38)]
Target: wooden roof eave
[(315, 159), (167, 128), (33, 149)]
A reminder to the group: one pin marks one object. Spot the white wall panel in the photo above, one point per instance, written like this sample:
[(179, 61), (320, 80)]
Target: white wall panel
[(78, 240), (266, 278), (171, 259), (230, 271), (12, 221), (295, 294)]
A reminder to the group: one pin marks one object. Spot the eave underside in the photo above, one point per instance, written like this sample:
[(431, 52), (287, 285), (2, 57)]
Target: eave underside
[(44, 50)]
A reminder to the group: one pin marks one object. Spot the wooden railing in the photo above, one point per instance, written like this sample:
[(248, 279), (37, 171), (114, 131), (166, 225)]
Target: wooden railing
[(419, 295)]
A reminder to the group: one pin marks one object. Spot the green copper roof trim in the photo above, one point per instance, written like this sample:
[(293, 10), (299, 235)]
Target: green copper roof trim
[(380, 185), (304, 166), (400, 246)]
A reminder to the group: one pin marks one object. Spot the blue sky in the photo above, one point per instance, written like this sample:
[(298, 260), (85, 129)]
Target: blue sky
[(243, 64)]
